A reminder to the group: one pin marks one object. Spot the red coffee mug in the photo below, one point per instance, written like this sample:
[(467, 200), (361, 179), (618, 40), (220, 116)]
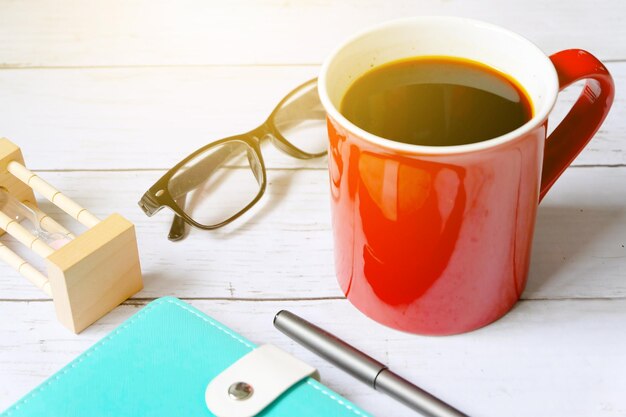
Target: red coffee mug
[(436, 240)]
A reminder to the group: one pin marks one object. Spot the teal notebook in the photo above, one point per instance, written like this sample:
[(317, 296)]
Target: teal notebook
[(158, 363)]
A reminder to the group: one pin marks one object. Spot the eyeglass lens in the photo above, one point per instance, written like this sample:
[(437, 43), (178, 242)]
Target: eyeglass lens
[(301, 120), (218, 183)]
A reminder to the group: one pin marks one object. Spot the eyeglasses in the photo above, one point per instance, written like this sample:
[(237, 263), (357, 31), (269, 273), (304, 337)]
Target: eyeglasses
[(222, 180)]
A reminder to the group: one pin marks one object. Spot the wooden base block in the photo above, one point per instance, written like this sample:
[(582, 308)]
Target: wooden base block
[(10, 152), (95, 273)]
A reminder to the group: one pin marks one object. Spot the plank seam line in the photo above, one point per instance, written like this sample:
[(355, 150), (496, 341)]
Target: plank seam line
[(165, 169), (162, 66), (165, 66), (267, 168)]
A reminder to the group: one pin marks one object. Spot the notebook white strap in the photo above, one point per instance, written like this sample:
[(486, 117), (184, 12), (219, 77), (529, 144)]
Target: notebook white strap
[(252, 383)]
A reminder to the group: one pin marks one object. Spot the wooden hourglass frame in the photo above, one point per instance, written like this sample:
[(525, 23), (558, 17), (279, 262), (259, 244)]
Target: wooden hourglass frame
[(87, 277)]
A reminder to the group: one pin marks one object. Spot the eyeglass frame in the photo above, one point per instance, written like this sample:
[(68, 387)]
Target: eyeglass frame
[(158, 196)]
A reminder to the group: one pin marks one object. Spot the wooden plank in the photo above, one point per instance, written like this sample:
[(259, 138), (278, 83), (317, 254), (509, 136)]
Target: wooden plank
[(87, 33), (529, 363), (283, 248), (138, 118), (150, 118)]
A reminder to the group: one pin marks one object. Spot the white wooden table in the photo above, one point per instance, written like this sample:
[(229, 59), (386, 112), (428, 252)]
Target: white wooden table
[(104, 96)]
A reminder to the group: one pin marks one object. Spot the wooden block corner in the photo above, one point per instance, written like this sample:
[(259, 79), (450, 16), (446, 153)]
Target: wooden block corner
[(95, 272)]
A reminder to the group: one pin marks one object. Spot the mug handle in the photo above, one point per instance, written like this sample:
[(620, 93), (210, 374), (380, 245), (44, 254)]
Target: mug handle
[(585, 117)]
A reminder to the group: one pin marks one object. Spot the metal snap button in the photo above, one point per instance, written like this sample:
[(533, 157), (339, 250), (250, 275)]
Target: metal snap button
[(240, 391)]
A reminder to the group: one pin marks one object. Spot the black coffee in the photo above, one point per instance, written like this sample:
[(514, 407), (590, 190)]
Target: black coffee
[(436, 101)]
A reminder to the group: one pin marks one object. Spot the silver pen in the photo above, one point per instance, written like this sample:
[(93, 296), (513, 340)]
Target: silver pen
[(361, 366)]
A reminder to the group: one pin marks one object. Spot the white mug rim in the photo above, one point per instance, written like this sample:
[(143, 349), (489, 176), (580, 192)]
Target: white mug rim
[(538, 118)]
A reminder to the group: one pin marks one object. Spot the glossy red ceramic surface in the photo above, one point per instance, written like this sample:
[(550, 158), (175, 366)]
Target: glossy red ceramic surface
[(440, 244)]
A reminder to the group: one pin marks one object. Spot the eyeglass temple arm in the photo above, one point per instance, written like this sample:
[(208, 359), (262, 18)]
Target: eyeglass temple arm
[(178, 227)]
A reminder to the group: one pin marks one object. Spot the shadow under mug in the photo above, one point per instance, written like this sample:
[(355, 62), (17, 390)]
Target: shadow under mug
[(436, 240)]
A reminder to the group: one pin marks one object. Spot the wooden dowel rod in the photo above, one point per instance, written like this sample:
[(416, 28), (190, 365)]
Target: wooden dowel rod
[(48, 223), (27, 270), (23, 236), (55, 196)]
